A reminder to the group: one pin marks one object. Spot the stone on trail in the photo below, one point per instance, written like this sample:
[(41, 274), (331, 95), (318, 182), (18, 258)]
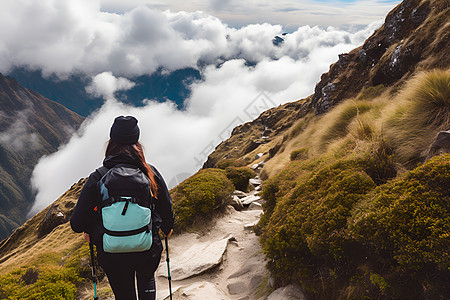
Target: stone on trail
[(255, 206), (290, 292), (239, 194), (255, 181), (249, 199), (235, 202), (199, 258), (250, 226), (237, 288)]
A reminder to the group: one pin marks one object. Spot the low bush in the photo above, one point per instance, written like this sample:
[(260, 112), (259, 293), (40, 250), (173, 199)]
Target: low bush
[(305, 235), (200, 195), (299, 154), (379, 163), (51, 283), (329, 228), (230, 162), (406, 226), (240, 177)]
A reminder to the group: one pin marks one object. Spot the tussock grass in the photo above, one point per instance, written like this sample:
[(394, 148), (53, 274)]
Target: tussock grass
[(422, 111)]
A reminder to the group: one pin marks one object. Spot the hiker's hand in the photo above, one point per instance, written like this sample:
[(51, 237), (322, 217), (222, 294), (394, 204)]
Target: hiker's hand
[(86, 237)]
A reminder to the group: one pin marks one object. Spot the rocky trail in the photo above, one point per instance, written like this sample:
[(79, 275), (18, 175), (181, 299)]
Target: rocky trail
[(224, 261)]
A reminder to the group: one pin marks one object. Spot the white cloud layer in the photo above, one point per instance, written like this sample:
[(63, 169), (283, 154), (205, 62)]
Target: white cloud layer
[(74, 36), (177, 142)]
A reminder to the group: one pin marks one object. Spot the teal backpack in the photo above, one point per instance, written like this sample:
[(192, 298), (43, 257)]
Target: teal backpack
[(125, 209)]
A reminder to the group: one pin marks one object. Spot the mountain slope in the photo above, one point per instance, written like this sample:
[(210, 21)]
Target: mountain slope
[(415, 37), (31, 126)]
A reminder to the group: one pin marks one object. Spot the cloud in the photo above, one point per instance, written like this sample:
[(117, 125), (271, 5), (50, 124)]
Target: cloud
[(177, 141), (18, 136), (106, 84), (67, 37)]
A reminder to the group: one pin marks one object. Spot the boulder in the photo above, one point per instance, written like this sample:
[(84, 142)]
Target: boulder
[(250, 226), (198, 259), (255, 206), (290, 292), (53, 218), (240, 194), (235, 202), (236, 288), (440, 145), (255, 181), (249, 199)]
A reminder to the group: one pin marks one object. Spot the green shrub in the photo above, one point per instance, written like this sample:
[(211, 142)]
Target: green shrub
[(51, 283), (379, 164), (230, 162), (407, 227), (198, 196), (299, 154), (305, 235), (240, 176)]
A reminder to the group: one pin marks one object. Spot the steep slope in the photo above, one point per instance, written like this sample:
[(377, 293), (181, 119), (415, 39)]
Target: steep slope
[(30, 127), (414, 37)]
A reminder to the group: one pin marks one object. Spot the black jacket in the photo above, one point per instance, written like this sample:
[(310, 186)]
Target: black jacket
[(86, 219)]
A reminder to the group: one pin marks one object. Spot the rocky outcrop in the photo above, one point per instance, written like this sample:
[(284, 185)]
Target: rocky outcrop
[(53, 218), (408, 38), (440, 145)]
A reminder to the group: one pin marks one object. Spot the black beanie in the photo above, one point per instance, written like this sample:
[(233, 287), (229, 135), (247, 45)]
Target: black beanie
[(125, 130)]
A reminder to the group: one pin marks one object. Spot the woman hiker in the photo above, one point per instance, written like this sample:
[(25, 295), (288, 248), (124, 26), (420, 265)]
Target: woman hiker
[(119, 191)]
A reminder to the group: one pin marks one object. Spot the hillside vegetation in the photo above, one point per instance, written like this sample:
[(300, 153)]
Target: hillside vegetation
[(345, 218)]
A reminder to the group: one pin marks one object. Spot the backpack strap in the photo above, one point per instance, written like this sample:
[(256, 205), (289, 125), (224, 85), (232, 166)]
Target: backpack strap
[(112, 200), (102, 171), (145, 228)]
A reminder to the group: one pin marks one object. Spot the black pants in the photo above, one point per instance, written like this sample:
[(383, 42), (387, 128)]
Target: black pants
[(123, 273)]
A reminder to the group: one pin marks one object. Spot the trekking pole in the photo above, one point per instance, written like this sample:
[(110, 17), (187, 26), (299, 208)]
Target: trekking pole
[(168, 268), (94, 275)]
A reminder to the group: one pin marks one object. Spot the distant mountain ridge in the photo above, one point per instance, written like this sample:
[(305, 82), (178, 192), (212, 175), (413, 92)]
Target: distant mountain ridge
[(71, 92), (30, 126)]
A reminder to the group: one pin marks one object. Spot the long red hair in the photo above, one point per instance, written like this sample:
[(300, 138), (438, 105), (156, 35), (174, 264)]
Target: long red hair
[(134, 150)]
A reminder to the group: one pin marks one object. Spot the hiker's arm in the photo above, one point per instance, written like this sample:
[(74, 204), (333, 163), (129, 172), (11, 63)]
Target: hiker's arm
[(164, 204), (83, 216)]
